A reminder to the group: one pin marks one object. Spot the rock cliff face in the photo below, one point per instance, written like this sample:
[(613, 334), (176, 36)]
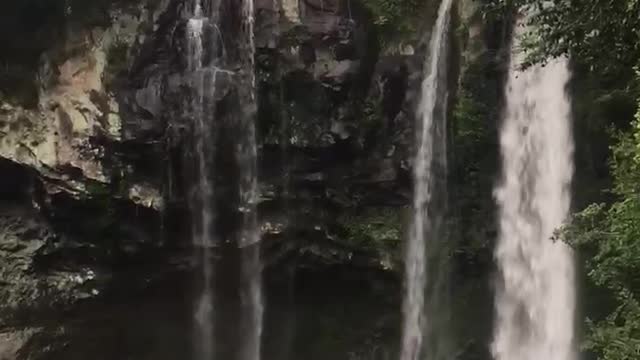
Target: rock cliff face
[(335, 140), (99, 161), (78, 182), (67, 135), (96, 154)]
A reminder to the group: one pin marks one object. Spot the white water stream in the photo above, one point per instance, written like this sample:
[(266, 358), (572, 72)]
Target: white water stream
[(247, 155), (202, 22), (535, 300), (203, 83), (428, 156)]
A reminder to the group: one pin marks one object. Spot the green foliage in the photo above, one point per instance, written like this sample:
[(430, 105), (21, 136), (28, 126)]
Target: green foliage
[(604, 34), (610, 238), (375, 228), (617, 337), (394, 17), (97, 189), (474, 164), (470, 119)]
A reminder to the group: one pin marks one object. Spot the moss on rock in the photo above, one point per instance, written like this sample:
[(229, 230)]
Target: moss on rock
[(374, 227)]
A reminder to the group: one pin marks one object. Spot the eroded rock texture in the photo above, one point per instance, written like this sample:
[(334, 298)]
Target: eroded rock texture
[(99, 138)]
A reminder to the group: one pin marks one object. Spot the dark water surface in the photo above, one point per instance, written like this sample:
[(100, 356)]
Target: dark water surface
[(334, 314)]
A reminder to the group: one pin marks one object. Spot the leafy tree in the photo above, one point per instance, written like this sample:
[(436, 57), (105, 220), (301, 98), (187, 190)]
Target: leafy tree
[(394, 17), (604, 34), (609, 236)]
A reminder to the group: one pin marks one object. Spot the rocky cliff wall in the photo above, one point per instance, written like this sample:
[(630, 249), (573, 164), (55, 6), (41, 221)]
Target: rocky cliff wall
[(104, 145)]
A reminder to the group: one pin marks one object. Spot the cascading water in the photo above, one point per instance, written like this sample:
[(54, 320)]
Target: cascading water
[(205, 55), (203, 84), (535, 300), (247, 155), (430, 158)]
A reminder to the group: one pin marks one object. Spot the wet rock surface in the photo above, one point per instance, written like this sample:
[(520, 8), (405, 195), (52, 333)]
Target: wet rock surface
[(96, 169), (13, 341), (109, 134), (101, 158)]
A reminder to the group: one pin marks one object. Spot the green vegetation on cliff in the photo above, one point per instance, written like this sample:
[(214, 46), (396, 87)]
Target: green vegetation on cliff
[(395, 17), (375, 228), (609, 235), (605, 34)]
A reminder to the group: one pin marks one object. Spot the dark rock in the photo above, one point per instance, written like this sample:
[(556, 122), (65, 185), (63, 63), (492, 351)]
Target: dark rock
[(27, 243)]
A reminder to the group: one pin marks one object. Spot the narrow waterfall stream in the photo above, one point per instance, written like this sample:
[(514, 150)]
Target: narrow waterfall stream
[(535, 300), (430, 157), (247, 155), (203, 81), (204, 59)]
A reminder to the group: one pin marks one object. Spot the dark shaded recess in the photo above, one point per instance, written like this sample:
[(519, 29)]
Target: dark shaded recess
[(394, 92), (598, 105), (111, 231), (344, 278), (367, 47), (395, 75), (155, 322), (161, 52), (27, 28), (308, 53), (149, 159), (302, 89), (16, 182), (343, 51), (230, 26), (270, 163), (271, 104), (227, 171)]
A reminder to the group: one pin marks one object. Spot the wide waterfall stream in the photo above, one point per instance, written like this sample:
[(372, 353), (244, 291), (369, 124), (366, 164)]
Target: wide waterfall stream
[(535, 300)]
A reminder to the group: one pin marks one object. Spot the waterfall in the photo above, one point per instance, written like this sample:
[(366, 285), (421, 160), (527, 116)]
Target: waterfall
[(247, 155), (203, 76), (535, 300), (205, 55), (204, 90), (431, 157)]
